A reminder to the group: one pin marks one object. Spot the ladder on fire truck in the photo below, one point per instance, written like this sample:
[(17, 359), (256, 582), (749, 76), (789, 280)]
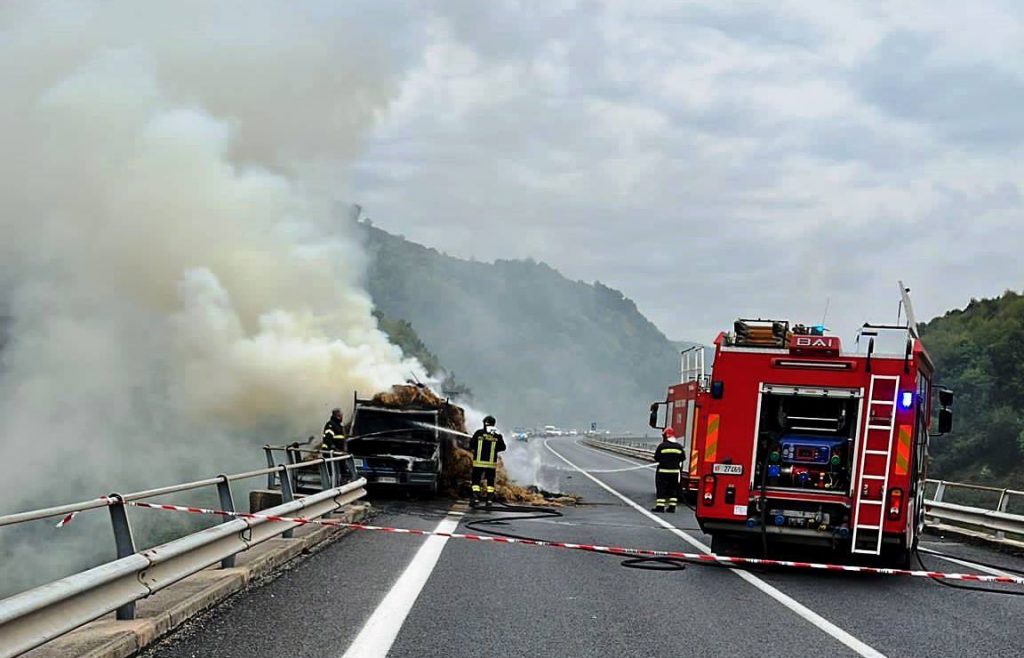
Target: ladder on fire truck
[(691, 366), (873, 465)]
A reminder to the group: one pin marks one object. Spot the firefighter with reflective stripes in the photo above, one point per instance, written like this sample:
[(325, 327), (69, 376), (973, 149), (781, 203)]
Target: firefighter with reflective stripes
[(670, 457), (334, 431), (485, 445)]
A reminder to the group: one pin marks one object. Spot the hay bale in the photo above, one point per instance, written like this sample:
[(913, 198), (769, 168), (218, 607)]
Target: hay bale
[(460, 465), (450, 416), (458, 462)]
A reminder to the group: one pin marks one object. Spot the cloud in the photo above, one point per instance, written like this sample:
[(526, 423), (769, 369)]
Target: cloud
[(716, 160), (975, 104)]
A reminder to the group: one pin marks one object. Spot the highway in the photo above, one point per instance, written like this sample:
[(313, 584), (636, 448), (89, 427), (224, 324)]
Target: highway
[(376, 594)]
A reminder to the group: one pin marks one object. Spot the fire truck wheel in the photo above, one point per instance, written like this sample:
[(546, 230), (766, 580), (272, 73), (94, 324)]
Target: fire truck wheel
[(898, 557), (728, 545)]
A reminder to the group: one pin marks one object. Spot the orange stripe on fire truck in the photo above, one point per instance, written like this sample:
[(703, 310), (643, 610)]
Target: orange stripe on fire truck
[(711, 447), (693, 443), (903, 450)]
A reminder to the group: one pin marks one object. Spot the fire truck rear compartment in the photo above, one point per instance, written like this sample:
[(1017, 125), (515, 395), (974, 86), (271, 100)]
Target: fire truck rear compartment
[(806, 442)]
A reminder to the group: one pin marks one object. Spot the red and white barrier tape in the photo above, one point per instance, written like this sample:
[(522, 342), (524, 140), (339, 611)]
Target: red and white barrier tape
[(66, 520), (591, 548)]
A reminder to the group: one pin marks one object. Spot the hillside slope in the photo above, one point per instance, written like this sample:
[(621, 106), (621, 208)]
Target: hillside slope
[(534, 347), (979, 354)]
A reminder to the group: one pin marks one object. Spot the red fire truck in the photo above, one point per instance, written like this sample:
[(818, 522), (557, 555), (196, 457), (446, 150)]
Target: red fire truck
[(681, 411), (798, 441)]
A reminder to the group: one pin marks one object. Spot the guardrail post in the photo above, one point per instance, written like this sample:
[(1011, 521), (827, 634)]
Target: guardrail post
[(940, 491), (344, 470), (1004, 500), (325, 475), (287, 495), (353, 472), (227, 503), (335, 467), (270, 464), (125, 544)]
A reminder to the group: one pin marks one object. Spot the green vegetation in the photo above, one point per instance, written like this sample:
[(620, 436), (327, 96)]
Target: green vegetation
[(535, 347), (979, 354), (401, 333)]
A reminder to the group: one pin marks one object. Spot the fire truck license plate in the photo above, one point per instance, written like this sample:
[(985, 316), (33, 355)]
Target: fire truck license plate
[(387, 480), (727, 469)]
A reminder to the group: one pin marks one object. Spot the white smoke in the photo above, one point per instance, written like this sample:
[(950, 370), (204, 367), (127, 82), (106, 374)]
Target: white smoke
[(528, 464), (179, 286), (524, 460)]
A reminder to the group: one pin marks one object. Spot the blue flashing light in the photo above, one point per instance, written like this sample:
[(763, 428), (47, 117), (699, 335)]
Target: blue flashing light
[(780, 520), (906, 399), (752, 522)]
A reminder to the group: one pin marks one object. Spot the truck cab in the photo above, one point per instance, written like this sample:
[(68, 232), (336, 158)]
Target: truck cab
[(398, 447)]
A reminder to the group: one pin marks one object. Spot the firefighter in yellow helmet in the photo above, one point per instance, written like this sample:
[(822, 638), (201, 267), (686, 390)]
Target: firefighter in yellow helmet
[(485, 445), (669, 455)]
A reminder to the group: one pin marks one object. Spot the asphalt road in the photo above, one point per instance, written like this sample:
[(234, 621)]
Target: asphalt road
[(464, 598)]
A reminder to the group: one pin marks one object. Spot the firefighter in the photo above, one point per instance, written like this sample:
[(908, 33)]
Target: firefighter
[(334, 431), (485, 445), (669, 456)]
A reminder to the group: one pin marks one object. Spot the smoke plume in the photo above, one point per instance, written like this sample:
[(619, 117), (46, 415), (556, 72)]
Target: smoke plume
[(179, 283)]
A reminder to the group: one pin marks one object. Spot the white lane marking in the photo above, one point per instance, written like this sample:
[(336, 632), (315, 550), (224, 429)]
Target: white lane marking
[(965, 563), (381, 629), (859, 647), (638, 467)]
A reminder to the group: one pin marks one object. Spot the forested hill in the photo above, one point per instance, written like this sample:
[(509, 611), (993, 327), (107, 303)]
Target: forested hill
[(979, 354), (535, 347)]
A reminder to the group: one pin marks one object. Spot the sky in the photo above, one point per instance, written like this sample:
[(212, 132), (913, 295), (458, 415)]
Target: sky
[(713, 160)]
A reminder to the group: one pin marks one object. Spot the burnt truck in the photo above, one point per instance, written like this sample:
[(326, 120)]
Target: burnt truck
[(401, 446)]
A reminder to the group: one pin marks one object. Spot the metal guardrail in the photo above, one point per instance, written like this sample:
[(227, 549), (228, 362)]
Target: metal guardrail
[(628, 441), (995, 525), (629, 446), (38, 615), (990, 524)]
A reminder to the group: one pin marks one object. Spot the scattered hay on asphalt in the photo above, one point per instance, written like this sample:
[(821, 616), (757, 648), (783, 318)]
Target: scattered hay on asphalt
[(460, 469)]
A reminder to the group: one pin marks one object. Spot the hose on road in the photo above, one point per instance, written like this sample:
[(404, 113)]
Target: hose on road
[(531, 512), (510, 513), (970, 588)]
